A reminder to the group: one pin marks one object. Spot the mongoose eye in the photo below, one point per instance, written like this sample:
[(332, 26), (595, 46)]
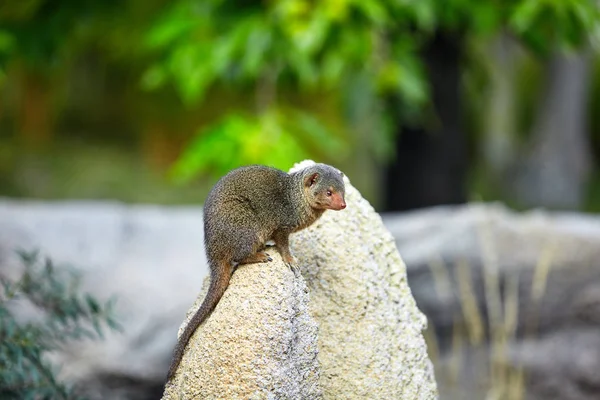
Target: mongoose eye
[(329, 193)]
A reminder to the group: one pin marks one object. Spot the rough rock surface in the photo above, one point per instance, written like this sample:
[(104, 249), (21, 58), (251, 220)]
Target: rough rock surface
[(260, 342), (370, 330)]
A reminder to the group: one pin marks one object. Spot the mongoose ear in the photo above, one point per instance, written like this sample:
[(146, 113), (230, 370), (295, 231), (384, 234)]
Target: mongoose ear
[(311, 179)]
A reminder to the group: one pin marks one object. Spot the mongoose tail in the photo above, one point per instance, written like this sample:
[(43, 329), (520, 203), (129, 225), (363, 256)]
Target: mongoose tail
[(218, 285)]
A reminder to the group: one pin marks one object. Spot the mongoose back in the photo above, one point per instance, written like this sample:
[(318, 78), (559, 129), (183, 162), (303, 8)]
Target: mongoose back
[(248, 207)]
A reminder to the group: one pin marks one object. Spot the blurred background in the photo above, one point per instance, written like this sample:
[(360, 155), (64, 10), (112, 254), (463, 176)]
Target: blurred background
[(454, 118)]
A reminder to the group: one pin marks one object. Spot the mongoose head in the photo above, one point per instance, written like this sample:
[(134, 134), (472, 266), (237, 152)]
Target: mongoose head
[(324, 187)]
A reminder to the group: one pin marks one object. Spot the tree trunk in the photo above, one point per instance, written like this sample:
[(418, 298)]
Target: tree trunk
[(431, 161), (557, 165), (499, 145), (34, 118), (160, 146)]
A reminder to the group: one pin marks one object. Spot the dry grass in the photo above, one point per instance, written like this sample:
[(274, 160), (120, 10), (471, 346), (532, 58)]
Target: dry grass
[(503, 381)]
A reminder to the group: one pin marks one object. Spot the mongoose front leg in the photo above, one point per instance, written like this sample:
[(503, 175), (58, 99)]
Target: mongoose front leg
[(258, 257), (282, 244)]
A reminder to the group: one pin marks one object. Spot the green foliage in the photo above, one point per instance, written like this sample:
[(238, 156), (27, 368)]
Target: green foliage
[(217, 41), (40, 33), (545, 25), (269, 48), (67, 315), (275, 136), (301, 45)]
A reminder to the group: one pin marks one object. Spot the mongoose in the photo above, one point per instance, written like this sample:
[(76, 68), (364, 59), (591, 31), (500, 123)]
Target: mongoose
[(250, 206)]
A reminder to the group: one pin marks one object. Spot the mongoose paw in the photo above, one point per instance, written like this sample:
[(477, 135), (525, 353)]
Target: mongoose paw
[(294, 268), (260, 257), (290, 260)]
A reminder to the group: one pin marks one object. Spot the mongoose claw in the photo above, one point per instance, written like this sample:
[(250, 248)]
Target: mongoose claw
[(294, 268)]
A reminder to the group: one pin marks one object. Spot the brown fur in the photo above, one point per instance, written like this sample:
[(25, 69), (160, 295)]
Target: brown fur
[(248, 207)]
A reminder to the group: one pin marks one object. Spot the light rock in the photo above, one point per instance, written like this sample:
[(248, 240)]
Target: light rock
[(370, 330), (260, 342)]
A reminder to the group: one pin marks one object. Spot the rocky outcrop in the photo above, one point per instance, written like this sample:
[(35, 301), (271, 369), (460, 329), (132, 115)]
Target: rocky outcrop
[(260, 342), (370, 330)]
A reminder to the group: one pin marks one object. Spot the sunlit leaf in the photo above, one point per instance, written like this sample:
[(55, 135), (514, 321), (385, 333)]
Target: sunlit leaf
[(192, 64), (153, 78), (175, 24), (374, 10), (316, 132), (337, 10), (424, 12), (7, 41), (309, 40), (333, 68), (257, 44)]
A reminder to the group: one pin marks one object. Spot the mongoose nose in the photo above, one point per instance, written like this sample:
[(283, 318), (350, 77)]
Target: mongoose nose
[(343, 205)]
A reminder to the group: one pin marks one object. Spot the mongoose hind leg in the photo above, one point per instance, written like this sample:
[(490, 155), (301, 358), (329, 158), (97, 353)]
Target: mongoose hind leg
[(258, 257)]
